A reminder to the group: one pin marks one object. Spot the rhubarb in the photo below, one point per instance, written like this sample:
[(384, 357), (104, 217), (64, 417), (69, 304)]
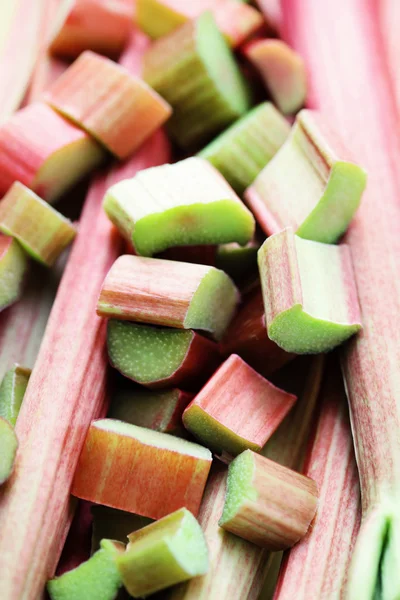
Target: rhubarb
[(13, 269), (310, 297), (159, 356), (97, 25), (118, 109), (234, 19), (200, 208), (96, 579), (272, 12), (195, 71), (311, 184), (139, 470), (283, 72), (247, 336), (163, 554), (243, 150), (352, 87), (161, 292), (9, 446), (159, 410), (12, 391), (266, 503), (44, 152), (42, 231), (237, 409), (114, 524), (239, 262)]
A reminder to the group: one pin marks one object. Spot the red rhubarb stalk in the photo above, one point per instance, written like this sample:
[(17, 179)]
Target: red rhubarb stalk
[(351, 86)]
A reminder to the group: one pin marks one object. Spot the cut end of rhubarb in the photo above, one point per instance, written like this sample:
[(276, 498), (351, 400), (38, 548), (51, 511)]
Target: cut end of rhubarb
[(13, 269), (164, 553), (9, 447), (310, 298), (239, 486), (12, 391)]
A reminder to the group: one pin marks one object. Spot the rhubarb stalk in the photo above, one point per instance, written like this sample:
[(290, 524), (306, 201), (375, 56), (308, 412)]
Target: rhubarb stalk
[(351, 87)]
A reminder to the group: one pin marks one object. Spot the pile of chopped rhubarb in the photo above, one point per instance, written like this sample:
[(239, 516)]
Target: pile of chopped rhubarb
[(199, 297)]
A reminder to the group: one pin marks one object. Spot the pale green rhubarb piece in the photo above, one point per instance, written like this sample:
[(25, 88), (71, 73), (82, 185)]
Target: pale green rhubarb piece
[(12, 391), (195, 71), (246, 147), (96, 579), (9, 446), (41, 230), (13, 269), (309, 292), (311, 184), (188, 203), (163, 554)]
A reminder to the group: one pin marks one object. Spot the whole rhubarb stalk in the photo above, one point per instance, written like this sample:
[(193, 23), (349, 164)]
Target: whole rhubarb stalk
[(349, 83)]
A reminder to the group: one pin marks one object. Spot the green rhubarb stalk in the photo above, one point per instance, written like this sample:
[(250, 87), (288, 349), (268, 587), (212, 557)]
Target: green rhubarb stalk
[(13, 270), (351, 86), (9, 446), (12, 391)]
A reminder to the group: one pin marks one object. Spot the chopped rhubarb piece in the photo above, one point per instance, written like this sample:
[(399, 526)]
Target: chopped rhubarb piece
[(247, 336), (195, 71), (12, 391), (41, 230), (237, 409), (161, 292), (160, 356), (310, 297), (45, 152), (140, 470), (272, 12), (311, 184), (200, 208), (97, 578), (118, 109), (239, 262), (114, 524), (283, 72), (267, 504), (243, 150), (235, 20), (163, 554), (159, 410), (98, 25), (9, 446), (13, 269)]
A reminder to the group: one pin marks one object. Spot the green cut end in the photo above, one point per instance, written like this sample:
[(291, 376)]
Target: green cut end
[(242, 151), (213, 304), (239, 487), (213, 434), (96, 579), (145, 408), (9, 447), (157, 19), (146, 354), (117, 210), (212, 223), (12, 391), (13, 268), (164, 553)]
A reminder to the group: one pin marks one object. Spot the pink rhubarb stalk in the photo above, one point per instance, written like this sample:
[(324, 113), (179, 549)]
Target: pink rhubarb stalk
[(353, 90)]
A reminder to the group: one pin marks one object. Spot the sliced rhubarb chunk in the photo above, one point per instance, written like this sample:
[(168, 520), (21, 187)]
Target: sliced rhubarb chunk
[(42, 231), (246, 147), (13, 268), (45, 152), (195, 71), (310, 297), (237, 409), (163, 554), (96, 579), (163, 292), (97, 25), (160, 356), (159, 410), (113, 524), (9, 446), (234, 19), (266, 503), (12, 391), (283, 72), (239, 262), (311, 184), (118, 109), (139, 470), (199, 208)]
